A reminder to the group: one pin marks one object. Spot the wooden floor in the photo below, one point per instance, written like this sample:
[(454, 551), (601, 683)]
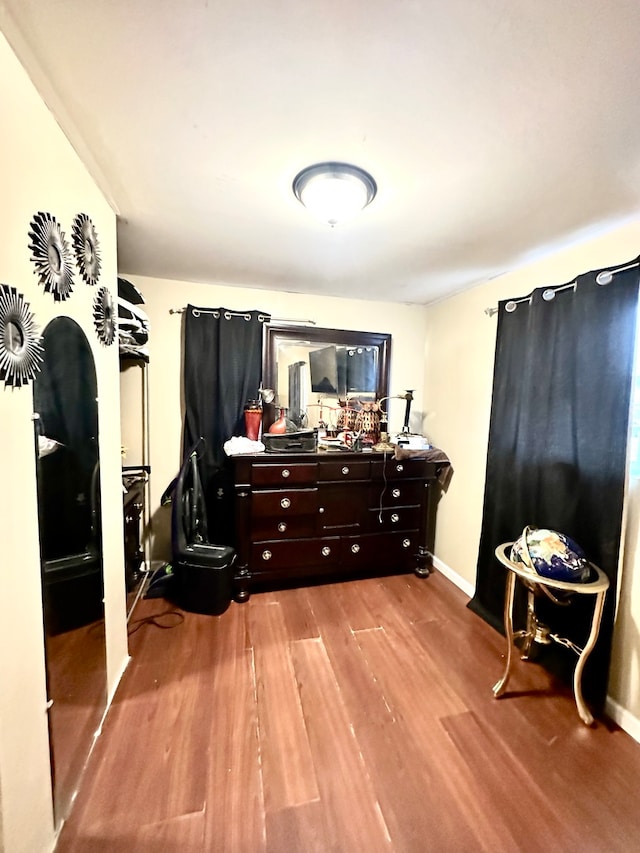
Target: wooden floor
[(347, 717)]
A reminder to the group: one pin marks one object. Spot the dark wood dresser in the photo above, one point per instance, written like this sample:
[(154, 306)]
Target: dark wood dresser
[(342, 514)]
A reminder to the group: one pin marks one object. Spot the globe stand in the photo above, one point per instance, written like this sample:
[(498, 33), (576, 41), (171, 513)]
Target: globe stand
[(538, 632)]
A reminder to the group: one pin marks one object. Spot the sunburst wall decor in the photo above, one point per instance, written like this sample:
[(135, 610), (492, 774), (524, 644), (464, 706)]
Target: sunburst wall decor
[(86, 248), (21, 350), (51, 256), (104, 317)]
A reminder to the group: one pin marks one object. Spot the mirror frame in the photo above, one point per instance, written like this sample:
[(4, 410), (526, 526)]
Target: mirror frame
[(339, 337)]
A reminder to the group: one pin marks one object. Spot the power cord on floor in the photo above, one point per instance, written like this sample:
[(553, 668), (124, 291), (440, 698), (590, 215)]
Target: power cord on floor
[(177, 618)]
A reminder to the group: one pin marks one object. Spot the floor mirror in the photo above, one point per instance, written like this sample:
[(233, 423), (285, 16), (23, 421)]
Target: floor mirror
[(68, 474)]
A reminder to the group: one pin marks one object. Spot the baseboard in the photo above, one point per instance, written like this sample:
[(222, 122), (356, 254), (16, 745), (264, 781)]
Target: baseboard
[(625, 719), (114, 687), (454, 577)]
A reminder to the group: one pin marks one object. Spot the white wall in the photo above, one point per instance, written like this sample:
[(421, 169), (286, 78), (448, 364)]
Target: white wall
[(459, 352), (40, 172), (404, 322)]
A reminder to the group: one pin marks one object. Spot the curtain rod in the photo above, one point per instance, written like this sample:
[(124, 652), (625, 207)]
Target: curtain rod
[(603, 277), (261, 317)]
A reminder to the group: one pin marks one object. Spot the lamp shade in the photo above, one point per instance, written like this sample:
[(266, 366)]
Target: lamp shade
[(334, 192)]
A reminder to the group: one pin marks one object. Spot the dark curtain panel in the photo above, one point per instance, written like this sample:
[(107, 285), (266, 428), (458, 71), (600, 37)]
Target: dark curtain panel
[(557, 450), (222, 370)]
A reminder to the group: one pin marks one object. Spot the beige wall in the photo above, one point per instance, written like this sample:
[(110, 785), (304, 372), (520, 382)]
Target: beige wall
[(40, 172), (460, 342), (404, 322)]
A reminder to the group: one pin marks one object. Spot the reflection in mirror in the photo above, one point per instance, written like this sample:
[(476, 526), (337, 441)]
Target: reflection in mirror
[(316, 372), (68, 474), (13, 337)]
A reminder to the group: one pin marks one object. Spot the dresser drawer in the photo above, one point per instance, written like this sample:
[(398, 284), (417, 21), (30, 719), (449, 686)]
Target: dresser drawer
[(270, 556), (284, 527), (393, 469), (283, 503), (391, 551), (396, 493), (394, 518), (335, 469), (281, 473)]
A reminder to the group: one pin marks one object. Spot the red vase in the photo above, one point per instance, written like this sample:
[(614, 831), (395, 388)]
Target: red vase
[(252, 419), (279, 427)]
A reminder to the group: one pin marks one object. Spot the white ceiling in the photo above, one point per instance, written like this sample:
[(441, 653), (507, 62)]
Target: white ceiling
[(495, 130)]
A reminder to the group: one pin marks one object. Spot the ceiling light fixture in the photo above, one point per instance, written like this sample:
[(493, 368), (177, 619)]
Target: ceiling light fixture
[(334, 192)]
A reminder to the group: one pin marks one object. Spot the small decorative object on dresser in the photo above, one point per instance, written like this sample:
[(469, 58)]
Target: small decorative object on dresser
[(253, 419), (279, 427), (306, 515)]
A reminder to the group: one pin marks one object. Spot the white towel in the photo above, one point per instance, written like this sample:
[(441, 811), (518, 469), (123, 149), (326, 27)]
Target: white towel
[(240, 444)]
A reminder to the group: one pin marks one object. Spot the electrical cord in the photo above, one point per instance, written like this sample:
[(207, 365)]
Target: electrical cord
[(384, 487), (154, 620)]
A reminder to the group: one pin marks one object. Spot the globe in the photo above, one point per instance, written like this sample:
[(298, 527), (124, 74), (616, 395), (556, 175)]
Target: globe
[(551, 554)]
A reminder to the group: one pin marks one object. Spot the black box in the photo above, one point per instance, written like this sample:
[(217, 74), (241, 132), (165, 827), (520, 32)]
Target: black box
[(305, 441)]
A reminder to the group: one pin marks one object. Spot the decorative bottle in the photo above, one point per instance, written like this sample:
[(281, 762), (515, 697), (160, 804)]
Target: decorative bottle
[(279, 427)]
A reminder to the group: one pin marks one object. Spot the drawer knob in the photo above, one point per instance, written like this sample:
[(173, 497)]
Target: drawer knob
[(395, 518), (400, 468), (285, 503), (355, 548), (396, 493), (345, 470), (406, 543), (286, 473), (326, 551), (320, 509), (266, 555), (282, 527)]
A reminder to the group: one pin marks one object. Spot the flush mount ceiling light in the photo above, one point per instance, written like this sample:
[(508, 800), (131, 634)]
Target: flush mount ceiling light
[(334, 192)]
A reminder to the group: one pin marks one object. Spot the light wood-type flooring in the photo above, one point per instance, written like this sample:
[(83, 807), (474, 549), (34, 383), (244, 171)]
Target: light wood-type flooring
[(349, 717)]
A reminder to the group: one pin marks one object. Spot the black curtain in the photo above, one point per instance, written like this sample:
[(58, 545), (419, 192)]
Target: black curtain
[(65, 396), (222, 370), (557, 450)]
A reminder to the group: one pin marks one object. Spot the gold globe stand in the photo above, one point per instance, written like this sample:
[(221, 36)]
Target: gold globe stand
[(537, 632)]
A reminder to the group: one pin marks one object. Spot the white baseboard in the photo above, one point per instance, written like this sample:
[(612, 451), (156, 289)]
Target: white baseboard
[(625, 719), (116, 684), (454, 577), (112, 693)]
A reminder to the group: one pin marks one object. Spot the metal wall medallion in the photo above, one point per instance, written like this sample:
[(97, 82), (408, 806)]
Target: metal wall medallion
[(21, 350), (104, 317), (86, 248), (51, 256)]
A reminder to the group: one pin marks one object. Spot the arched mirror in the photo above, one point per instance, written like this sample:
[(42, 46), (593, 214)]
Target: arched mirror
[(68, 473)]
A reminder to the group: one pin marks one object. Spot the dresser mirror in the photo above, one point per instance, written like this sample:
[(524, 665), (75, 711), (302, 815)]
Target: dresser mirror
[(314, 371), (68, 479)]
